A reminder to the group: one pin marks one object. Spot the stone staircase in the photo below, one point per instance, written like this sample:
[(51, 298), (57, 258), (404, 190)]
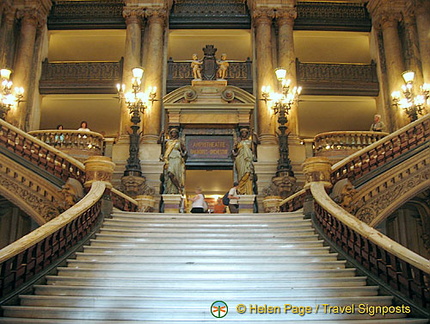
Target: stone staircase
[(165, 268)]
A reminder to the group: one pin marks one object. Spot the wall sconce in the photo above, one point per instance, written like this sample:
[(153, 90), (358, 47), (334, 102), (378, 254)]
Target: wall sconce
[(8, 99), (413, 102)]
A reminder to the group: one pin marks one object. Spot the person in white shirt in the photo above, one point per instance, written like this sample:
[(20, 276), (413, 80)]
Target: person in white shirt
[(234, 199), (84, 126), (198, 202)]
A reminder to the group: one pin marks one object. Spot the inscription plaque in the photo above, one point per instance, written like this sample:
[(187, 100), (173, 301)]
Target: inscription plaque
[(216, 148)]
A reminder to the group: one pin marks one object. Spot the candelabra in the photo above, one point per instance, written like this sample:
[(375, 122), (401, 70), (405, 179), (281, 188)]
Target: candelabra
[(414, 102), (137, 101), (282, 104), (8, 99)]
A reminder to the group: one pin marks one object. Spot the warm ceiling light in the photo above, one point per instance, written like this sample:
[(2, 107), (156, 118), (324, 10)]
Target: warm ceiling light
[(408, 76), (137, 72), (281, 73)]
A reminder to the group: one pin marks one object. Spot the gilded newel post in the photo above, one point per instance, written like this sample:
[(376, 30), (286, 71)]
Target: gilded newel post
[(315, 169), (99, 168)]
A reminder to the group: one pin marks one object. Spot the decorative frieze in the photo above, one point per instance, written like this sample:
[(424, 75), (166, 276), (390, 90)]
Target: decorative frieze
[(81, 14), (332, 16), (82, 77)]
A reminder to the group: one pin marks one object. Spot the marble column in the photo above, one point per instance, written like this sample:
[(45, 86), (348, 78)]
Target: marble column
[(154, 73), (23, 63), (422, 14), (413, 61), (265, 73), (6, 33), (287, 57), (394, 60), (133, 19)]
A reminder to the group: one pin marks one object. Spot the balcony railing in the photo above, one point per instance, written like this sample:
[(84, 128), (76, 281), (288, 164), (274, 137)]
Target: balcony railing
[(338, 79), (80, 77), (79, 144)]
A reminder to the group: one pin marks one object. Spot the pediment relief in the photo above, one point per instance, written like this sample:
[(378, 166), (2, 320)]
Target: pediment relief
[(211, 92)]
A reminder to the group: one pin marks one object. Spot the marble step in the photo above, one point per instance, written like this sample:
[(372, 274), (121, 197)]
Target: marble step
[(181, 275), (211, 222), (255, 283), (210, 235), (137, 257), (140, 249), (232, 260), (245, 216), (137, 301), (113, 239), (212, 320), (223, 267), (206, 292), (177, 313), (218, 240)]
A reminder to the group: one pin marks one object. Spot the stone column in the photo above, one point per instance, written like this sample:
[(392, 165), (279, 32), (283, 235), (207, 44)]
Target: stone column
[(6, 32), (287, 56), (154, 72), (422, 14), (388, 23), (265, 73), (133, 19), (23, 63)]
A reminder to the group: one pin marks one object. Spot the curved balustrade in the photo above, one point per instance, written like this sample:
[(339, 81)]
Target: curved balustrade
[(344, 141), (400, 268), (52, 160), (79, 144), (293, 202), (383, 151), (25, 258)]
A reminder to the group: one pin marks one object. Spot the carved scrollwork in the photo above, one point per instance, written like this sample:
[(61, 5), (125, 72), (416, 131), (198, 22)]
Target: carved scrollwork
[(227, 94), (190, 94)]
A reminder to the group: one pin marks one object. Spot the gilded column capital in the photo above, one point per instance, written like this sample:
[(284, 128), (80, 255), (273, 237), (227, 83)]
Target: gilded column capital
[(263, 16), (386, 19), (9, 14), (156, 15), (286, 16), (32, 17), (133, 15)]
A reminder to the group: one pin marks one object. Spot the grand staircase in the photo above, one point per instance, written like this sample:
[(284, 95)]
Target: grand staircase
[(165, 268)]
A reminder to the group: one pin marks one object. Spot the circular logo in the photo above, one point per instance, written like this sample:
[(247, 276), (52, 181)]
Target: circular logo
[(219, 309)]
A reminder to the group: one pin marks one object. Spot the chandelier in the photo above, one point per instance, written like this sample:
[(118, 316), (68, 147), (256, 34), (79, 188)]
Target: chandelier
[(413, 102), (137, 101), (8, 99), (282, 103)]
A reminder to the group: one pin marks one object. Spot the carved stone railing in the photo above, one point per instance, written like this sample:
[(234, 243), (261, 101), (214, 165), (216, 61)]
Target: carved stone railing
[(79, 144), (52, 160), (338, 145), (332, 16), (338, 79), (106, 14), (380, 196), (403, 271), (383, 151), (179, 74), (80, 77), (24, 259)]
